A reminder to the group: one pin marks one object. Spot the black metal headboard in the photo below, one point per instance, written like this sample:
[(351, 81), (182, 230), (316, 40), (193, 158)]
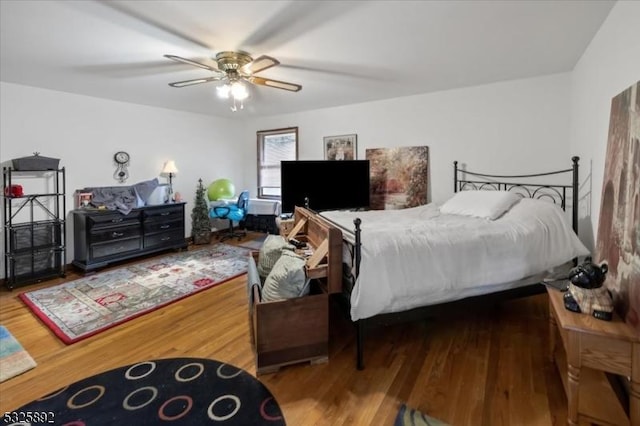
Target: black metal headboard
[(554, 192)]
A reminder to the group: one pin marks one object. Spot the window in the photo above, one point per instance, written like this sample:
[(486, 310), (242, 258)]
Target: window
[(274, 146)]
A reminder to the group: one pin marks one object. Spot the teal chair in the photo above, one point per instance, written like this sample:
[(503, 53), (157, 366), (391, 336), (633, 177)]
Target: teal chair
[(232, 212)]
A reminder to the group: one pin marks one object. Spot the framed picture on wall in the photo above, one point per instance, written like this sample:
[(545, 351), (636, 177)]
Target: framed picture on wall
[(343, 147)]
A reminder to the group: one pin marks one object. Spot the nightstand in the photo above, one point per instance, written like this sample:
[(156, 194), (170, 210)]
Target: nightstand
[(591, 348)]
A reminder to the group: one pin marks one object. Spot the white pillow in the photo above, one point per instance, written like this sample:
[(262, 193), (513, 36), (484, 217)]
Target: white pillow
[(287, 279), (270, 252), (485, 204)]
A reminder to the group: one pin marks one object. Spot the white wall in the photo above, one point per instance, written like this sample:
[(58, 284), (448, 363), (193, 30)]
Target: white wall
[(509, 127), (610, 64), (85, 132)]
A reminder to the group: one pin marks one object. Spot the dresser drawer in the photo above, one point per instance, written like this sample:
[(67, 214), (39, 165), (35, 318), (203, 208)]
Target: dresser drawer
[(114, 248), (164, 239), (106, 234), (162, 226), (97, 221), (164, 214)]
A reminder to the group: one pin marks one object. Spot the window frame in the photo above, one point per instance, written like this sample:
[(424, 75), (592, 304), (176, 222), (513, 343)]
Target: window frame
[(260, 134)]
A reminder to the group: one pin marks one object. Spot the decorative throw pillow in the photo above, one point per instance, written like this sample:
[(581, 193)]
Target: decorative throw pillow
[(485, 204), (270, 253), (287, 279)]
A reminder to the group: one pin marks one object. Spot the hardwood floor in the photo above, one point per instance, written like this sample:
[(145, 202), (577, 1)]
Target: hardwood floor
[(469, 368)]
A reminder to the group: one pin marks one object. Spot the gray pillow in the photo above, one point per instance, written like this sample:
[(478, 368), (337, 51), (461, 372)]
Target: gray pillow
[(270, 253), (287, 279)]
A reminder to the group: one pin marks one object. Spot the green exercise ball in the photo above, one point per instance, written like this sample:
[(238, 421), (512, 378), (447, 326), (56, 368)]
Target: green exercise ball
[(221, 188)]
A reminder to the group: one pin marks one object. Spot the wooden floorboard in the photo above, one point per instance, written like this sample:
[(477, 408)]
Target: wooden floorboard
[(488, 367)]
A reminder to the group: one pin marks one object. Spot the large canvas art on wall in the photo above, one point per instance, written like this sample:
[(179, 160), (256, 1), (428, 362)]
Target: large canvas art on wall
[(619, 226), (399, 177)]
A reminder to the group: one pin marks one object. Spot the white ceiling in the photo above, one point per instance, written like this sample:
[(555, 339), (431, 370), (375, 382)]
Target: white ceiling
[(340, 52)]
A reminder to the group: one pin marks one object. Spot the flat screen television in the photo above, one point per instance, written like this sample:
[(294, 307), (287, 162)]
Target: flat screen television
[(329, 184)]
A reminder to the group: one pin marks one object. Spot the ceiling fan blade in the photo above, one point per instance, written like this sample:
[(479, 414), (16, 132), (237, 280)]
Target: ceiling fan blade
[(259, 64), (274, 83), (294, 20), (194, 63), (195, 81)]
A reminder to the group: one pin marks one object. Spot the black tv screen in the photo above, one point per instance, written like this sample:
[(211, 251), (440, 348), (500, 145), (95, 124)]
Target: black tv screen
[(329, 185)]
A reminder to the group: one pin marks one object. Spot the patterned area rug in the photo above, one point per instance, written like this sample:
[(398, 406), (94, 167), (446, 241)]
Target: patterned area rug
[(179, 391), (81, 308), (410, 417), (14, 359)]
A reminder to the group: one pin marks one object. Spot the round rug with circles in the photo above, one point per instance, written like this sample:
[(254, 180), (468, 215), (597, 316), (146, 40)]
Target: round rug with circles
[(176, 391)]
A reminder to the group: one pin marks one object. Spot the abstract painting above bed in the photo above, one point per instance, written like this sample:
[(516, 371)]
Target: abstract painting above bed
[(399, 177)]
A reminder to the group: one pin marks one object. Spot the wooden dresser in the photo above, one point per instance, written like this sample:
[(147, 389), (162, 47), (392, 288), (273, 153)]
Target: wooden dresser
[(102, 237), (590, 348)]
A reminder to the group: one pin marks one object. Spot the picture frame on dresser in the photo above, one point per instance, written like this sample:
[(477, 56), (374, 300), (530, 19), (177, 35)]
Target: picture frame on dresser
[(82, 199)]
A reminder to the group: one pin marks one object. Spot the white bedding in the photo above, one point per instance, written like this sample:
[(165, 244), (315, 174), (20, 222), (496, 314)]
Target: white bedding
[(418, 256)]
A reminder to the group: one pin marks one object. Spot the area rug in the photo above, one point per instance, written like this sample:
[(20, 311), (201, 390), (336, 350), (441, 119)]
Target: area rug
[(176, 391), (410, 417), (14, 360), (81, 308)]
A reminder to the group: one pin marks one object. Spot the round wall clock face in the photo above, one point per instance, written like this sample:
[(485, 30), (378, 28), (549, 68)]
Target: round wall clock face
[(121, 157)]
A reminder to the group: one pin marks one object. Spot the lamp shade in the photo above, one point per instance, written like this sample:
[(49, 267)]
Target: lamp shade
[(170, 168)]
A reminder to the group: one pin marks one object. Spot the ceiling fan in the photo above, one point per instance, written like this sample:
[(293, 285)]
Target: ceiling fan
[(233, 68)]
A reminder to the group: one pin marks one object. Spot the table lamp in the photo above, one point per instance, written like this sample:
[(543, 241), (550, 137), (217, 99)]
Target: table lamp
[(170, 170)]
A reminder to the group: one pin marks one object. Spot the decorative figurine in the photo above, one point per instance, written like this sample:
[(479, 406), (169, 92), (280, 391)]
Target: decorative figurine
[(586, 291)]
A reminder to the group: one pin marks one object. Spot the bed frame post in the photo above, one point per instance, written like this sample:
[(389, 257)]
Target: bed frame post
[(575, 195), (357, 222), (455, 176), (360, 323)]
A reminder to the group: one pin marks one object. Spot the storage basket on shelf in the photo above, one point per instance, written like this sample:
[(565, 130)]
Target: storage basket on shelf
[(35, 162)]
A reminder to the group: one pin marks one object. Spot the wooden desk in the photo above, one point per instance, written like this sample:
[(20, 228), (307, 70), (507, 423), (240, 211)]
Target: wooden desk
[(592, 347)]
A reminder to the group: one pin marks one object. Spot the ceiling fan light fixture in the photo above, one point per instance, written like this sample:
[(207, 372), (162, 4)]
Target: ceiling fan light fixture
[(223, 91), (239, 91), (235, 69)]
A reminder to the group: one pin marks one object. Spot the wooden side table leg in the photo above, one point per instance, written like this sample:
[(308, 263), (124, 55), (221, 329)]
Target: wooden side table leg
[(572, 394), (573, 372)]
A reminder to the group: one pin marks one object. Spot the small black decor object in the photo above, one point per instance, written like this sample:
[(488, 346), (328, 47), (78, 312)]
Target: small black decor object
[(586, 291), (200, 224), (172, 391)]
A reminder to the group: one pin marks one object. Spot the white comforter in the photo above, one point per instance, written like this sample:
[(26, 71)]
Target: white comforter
[(418, 256)]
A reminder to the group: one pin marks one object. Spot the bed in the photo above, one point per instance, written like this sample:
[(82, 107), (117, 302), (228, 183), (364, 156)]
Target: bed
[(405, 263)]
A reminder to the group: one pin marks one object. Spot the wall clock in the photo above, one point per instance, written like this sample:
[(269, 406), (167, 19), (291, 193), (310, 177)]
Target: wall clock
[(122, 162)]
